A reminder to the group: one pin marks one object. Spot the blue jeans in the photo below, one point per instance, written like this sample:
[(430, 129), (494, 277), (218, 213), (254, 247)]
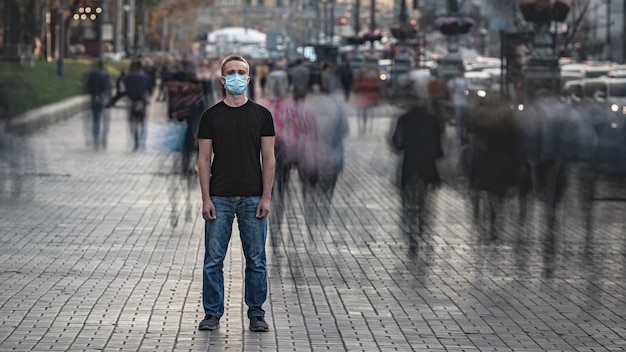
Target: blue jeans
[(253, 233), (100, 119)]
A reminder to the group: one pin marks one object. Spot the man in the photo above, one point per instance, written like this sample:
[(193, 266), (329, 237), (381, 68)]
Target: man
[(236, 170), (438, 94), (137, 87), (99, 87), (459, 90), (419, 77), (346, 76), (417, 136), (300, 77)]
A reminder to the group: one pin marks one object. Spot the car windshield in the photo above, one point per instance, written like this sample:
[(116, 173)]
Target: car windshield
[(596, 72), (617, 89), (478, 81)]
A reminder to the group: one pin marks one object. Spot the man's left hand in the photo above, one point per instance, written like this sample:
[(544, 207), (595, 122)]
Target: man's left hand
[(263, 209)]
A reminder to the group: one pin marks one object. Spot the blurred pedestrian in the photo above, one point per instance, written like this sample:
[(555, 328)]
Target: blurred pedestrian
[(438, 97), (327, 85), (419, 77), (262, 71), (459, 91), (118, 82), (417, 136), (367, 91), (186, 103), (164, 76), (236, 172), (346, 76), (98, 86), (331, 130), (300, 78), (137, 87), (286, 127)]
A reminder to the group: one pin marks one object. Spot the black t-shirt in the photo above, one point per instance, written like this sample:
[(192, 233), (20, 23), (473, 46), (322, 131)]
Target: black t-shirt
[(236, 137)]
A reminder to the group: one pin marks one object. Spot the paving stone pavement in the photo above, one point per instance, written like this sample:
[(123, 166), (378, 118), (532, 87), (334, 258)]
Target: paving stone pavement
[(101, 250)]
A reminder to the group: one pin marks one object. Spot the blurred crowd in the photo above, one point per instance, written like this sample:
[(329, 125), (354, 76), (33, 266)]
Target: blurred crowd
[(499, 148)]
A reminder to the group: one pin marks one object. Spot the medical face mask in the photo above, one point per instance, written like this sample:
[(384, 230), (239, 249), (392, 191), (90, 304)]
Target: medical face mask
[(236, 84)]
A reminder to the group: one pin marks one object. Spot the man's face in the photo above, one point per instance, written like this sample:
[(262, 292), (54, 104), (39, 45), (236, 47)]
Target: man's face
[(234, 67)]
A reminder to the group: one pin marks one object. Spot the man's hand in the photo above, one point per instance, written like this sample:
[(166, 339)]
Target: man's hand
[(263, 209), (208, 210)]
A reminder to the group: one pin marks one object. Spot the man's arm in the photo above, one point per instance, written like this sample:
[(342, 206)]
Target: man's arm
[(268, 168), (205, 151)]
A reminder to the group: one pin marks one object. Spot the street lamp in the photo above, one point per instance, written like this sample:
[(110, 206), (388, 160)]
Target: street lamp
[(101, 20), (61, 37)]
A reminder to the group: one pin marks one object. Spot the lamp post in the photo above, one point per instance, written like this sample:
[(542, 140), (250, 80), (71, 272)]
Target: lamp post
[(357, 10), (608, 30), (541, 68), (101, 19), (372, 16), (60, 67), (452, 25), (130, 26)]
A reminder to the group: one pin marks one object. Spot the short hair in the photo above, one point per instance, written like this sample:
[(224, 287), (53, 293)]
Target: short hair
[(230, 58), (135, 65)]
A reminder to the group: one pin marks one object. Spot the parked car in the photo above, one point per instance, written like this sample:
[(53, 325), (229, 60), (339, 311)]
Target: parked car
[(480, 84)]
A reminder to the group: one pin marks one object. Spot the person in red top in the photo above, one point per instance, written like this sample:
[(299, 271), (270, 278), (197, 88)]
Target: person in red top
[(367, 90)]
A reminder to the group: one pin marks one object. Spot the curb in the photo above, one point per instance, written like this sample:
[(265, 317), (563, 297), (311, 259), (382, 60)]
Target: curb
[(44, 116)]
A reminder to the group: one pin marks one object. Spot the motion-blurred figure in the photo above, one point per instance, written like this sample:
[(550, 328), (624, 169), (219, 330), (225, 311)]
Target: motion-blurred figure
[(277, 101), (459, 91), (98, 85), (417, 136), (331, 128), (438, 96), (137, 87), (367, 90), (300, 77), (346, 76)]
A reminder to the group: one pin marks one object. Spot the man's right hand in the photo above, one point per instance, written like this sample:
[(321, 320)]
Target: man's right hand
[(208, 210)]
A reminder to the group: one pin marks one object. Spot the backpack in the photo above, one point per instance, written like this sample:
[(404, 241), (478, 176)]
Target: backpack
[(96, 83)]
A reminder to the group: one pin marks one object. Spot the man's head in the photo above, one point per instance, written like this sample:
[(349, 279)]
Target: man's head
[(235, 74), (135, 66), (231, 61)]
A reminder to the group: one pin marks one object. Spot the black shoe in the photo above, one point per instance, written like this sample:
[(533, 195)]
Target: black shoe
[(209, 323), (258, 324)]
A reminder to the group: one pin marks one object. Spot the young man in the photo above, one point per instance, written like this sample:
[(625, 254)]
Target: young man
[(136, 86), (236, 170), (99, 87)]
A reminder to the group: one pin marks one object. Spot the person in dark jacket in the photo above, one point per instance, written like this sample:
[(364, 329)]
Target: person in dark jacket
[(344, 71), (417, 136), (98, 85), (136, 86)]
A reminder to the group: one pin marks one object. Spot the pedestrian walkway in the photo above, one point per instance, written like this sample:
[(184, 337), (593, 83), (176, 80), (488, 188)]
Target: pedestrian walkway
[(101, 250)]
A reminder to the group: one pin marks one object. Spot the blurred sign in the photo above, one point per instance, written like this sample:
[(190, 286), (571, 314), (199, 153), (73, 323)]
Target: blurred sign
[(498, 23), (107, 31)]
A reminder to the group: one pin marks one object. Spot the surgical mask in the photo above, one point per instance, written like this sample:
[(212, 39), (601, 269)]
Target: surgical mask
[(236, 84)]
